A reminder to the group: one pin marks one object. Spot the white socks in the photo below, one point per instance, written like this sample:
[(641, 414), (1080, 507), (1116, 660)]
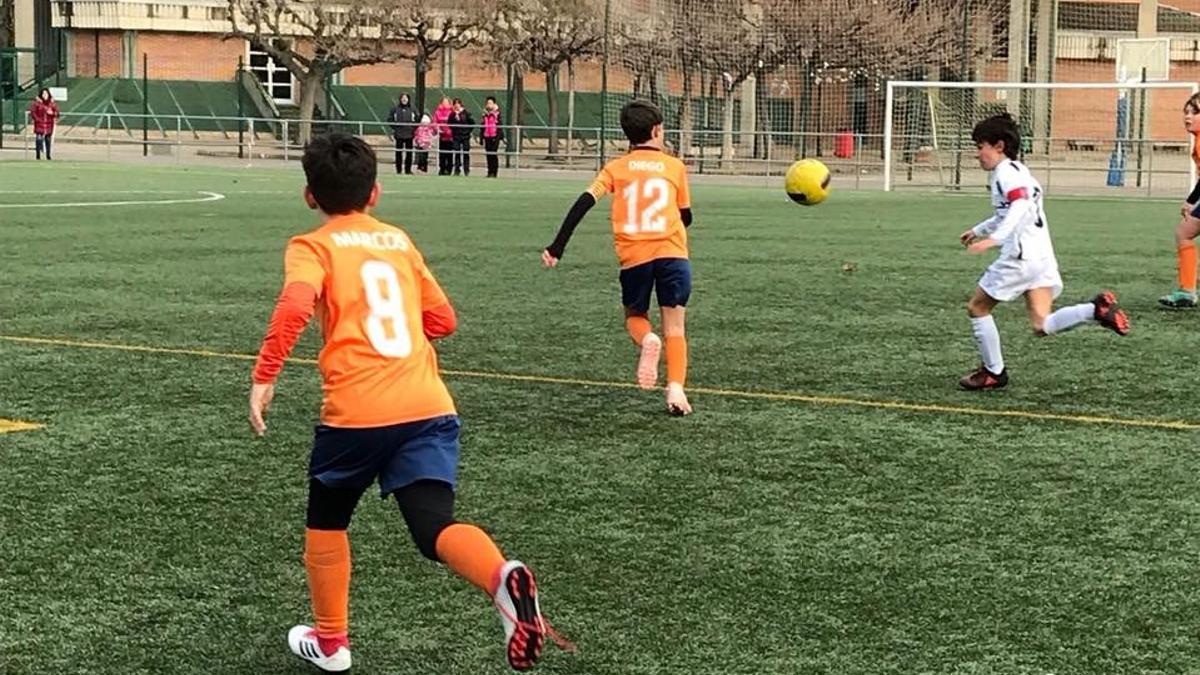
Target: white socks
[(1069, 317), (987, 338)]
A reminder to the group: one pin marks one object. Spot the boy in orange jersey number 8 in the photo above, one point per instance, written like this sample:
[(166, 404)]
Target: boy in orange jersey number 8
[(386, 415), (650, 213)]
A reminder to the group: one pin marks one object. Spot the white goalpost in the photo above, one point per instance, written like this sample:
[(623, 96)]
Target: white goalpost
[(1091, 134)]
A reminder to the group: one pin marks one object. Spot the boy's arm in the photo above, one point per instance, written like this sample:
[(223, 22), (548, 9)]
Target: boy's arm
[(293, 310), (683, 198), (1020, 207), (986, 227), (579, 209), (600, 187), (304, 276)]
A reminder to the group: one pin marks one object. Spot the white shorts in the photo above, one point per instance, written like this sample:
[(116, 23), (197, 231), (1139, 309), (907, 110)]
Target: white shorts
[(1008, 278)]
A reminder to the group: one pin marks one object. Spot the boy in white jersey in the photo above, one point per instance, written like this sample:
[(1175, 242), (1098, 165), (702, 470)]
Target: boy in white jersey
[(1026, 264)]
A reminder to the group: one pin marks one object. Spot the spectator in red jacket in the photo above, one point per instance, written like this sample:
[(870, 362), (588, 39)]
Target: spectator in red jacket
[(44, 112)]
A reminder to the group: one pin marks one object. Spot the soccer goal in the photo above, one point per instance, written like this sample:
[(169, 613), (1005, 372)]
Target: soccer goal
[(1082, 137)]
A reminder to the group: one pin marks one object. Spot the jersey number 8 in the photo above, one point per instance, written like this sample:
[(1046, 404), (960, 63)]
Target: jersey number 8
[(387, 325)]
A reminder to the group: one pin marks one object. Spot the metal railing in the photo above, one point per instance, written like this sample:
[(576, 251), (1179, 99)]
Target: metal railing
[(855, 159)]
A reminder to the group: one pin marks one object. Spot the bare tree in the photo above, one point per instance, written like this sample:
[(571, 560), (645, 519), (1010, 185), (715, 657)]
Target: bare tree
[(432, 26), (542, 35), (689, 58), (316, 39), (875, 40), (740, 38)]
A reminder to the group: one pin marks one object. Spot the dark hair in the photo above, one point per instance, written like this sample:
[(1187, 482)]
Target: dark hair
[(46, 91), (638, 119), (999, 128), (1193, 102), (457, 101), (341, 172), (490, 98)]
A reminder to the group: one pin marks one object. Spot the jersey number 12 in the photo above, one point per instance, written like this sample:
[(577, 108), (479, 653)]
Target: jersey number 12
[(649, 219)]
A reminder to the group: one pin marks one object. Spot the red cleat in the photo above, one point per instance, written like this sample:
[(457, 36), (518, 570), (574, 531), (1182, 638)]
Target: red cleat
[(984, 379), (1109, 314)]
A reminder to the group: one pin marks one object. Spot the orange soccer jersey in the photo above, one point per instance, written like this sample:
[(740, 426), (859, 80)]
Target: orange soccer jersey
[(649, 189), (377, 366)]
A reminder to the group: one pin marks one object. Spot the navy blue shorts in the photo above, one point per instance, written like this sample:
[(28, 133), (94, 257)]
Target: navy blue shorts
[(1196, 211), (669, 278), (395, 455)]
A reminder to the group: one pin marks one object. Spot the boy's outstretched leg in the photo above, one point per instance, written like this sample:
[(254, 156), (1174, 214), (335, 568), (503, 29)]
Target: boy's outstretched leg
[(991, 373), (428, 507), (327, 562), (673, 321), (1103, 309), (649, 344)]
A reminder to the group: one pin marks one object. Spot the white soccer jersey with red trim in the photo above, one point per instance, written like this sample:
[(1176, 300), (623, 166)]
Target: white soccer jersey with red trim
[(1030, 239)]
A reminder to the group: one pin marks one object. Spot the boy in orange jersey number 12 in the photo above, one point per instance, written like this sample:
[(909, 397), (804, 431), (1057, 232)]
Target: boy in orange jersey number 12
[(650, 213), (386, 413)]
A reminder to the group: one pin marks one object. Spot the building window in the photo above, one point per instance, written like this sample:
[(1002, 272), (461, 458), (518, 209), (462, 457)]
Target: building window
[(275, 79)]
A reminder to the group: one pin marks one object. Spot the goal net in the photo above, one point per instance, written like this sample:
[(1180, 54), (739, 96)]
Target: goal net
[(1079, 136)]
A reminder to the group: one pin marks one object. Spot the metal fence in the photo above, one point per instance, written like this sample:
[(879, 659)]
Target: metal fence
[(1076, 165)]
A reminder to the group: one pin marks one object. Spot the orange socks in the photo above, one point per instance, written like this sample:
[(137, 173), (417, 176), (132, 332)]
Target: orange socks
[(327, 559), (1187, 266), (639, 327), (677, 356), (472, 554)]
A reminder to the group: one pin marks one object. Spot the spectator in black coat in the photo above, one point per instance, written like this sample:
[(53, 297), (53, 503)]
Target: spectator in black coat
[(404, 121), (462, 125)]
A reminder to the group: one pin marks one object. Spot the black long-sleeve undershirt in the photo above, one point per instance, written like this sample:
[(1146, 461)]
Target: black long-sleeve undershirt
[(580, 209), (582, 205), (1195, 195)]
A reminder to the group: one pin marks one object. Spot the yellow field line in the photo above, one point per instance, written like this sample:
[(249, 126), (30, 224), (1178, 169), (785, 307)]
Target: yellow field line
[(906, 406), (14, 425)]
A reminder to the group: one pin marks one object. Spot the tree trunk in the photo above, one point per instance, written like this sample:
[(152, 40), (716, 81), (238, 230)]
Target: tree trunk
[(421, 67), (552, 108), (727, 126), (685, 112), (762, 135), (518, 111), (311, 87), (570, 103), (7, 11)]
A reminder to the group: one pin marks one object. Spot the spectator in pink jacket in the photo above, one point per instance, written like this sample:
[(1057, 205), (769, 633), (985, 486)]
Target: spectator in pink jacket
[(492, 132), (423, 141), (441, 118), (45, 114)]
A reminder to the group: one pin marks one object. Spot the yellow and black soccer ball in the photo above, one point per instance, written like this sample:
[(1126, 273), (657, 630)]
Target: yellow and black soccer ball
[(807, 182)]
